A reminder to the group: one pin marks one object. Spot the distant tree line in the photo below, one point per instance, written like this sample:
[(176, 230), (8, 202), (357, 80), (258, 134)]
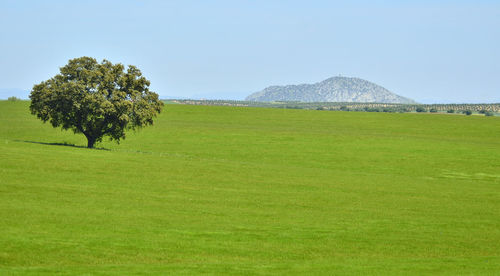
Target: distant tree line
[(13, 99), (467, 109)]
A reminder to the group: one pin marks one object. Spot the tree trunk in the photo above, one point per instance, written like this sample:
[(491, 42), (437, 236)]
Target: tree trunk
[(90, 142)]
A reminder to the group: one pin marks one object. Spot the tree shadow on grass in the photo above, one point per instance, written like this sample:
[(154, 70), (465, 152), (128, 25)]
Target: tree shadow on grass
[(59, 144)]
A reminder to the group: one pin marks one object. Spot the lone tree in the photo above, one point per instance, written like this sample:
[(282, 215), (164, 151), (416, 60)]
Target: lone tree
[(96, 99)]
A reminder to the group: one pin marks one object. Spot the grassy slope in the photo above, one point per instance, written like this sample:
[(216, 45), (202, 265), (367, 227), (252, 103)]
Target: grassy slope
[(253, 191)]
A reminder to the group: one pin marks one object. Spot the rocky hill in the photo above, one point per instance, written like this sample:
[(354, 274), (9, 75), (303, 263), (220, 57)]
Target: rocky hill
[(335, 89)]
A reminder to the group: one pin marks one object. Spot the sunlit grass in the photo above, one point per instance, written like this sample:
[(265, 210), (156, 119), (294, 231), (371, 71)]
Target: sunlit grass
[(226, 190)]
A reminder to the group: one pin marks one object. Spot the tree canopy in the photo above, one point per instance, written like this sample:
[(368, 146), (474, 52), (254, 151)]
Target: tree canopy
[(96, 99)]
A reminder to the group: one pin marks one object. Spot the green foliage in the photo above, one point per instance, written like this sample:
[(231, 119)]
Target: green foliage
[(467, 112), (433, 110), (13, 99), (488, 113), (371, 109), (96, 99), (421, 109), (350, 106)]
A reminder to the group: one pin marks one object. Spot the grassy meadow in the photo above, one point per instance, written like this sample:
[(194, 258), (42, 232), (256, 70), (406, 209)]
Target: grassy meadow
[(253, 191)]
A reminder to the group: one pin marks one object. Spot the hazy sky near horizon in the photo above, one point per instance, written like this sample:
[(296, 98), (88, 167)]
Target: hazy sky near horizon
[(430, 51)]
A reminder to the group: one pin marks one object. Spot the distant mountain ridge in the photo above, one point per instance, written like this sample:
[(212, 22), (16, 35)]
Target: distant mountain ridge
[(335, 89)]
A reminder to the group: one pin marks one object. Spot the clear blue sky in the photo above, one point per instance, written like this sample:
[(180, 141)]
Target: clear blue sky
[(431, 51)]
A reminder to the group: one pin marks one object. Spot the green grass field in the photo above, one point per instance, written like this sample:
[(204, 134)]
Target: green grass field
[(253, 191)]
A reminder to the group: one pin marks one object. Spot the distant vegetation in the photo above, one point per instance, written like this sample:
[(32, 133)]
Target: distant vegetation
[(336, 89), (13, 99), (486, 109)]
